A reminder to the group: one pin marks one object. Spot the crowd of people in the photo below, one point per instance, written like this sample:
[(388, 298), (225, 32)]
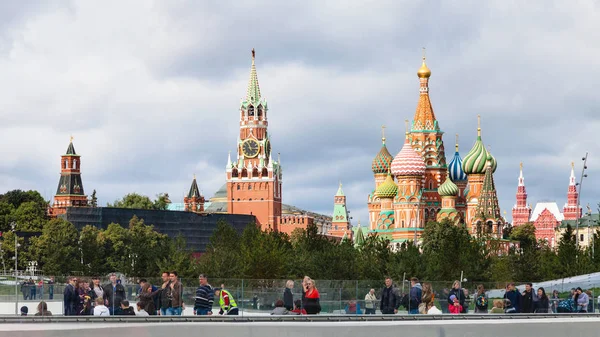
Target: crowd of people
[(166, 298)]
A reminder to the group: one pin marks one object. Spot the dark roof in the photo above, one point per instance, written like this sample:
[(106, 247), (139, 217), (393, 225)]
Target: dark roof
[(70, 184), (194, 191), (593, 220), (71, 149)]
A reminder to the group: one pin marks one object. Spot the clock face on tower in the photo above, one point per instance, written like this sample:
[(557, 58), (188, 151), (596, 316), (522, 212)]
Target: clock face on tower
[(250, 148)]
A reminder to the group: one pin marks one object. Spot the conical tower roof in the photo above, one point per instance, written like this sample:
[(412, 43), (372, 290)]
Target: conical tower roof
[(340, 192), (487, 206), (253, 92), (71, 149), (194, 190), (359, 239), (383, 159)]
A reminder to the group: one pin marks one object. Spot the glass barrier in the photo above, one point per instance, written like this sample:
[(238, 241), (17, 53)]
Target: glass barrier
[(265, 297)]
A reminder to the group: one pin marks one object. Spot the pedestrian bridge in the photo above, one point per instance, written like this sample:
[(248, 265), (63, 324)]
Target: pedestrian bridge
[(550, 325)]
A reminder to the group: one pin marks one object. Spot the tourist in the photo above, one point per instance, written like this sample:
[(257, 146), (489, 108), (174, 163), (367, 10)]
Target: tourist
[(389, 298), (459, 294), (153, 294), (498, 307), (70, 298), (51, 288), (97, 289), (427, 299), (140, 310), (509, 308), (298, 308), (353, 308), (42, 309), (174, 292), (554, 300), (164, 298), (288, 296), (590, 307), (280, 309), (312, 299), (100, 309), (24, 311), (203, 302), (370, 302), (147, 298), (414, 296), (543, 303), (527, 305), (481, 301), (126, 310), (226, 302), (454, 306), (514, 296), (581, 300), (114, 293)]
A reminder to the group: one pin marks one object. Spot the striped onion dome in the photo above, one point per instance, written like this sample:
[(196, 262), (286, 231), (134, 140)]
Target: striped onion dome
[(448, 188), (408, 162), (382, 161), (474, 162), (455, 168), (388, 188)]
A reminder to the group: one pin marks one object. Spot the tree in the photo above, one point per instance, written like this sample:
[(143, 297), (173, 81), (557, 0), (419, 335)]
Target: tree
[(263, 254), (162, 201), (179, 258), (6, 213), (567, 253), (93, 251), (57, 248), (133, 200), (30, 217), (94, 199), (222, 256), (18, 197), (525, 234)]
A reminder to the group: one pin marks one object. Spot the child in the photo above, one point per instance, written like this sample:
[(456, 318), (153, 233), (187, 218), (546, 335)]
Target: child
[(454, 307), (100, 309), (140, 310), (508, 307), (498, 307)]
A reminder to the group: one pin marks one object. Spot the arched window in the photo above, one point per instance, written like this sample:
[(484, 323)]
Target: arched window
[(490, 226), (250, 110), (74, 163), (250, 187), (260, 112), (238, 187)]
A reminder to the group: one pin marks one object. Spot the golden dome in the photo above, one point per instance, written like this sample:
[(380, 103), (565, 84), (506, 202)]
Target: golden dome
[(424, 72)]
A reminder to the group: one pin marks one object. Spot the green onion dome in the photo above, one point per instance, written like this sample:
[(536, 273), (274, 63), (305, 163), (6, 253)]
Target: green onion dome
[(475, 161), (382, 161), (387, 189), (448, 188)]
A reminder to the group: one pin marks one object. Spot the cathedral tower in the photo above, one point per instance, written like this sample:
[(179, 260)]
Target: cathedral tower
[(474, 165), (426, 139), (459, 177), (194, 201), (571, 211), (340, 221), (381, 167), (70, 188), (521, 212), (254, 180), (448, 191), (487, 218)]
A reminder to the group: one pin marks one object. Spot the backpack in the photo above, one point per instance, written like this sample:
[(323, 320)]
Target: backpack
[(565, 306), (481, 302)]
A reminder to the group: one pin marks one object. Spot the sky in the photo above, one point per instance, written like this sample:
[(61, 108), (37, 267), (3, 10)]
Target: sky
[(150, 91)]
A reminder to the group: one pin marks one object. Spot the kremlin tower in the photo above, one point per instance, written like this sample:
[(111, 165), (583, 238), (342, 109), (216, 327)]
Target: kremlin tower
[(194, 201), (571, 210), (521, 212), (475, 166), (486, 218), (340, 222), (381, 168), (70, 188)]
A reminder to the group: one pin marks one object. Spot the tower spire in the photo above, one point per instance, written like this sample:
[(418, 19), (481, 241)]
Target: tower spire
[(253, 93), (406, 127), (521, 179), (456, 144), (383, 134), (479, 126), (572, 177)]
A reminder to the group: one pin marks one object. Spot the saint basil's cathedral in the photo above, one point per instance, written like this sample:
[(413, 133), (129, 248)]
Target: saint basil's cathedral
[(418, 185)]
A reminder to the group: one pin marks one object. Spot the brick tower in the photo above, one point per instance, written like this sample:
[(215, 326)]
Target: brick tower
[(474, 165), (194, 201), (340, 221), (570, 210), (381, 168), (254, 180), (426, 139), (70, 188), (458, 177), (521, 212)]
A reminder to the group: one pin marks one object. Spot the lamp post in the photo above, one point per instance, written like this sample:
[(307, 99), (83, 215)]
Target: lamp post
[(580, 183), (16, 257)]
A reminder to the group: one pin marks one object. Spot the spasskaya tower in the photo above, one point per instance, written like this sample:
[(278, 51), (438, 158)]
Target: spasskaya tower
[(254, 179)]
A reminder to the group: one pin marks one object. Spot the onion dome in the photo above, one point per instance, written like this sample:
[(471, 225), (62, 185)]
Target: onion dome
[(455, 167), (408, 162), (475, 160), (424, 71), (383, 160), (448, 188), (387, 189)]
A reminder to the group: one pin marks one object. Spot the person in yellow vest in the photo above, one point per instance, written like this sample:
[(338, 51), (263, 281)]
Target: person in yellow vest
[(226, 302)]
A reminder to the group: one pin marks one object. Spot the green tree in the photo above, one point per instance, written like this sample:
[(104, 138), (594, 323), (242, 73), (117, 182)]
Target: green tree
[(18, 197), (57, 248), (525, 234), (263, 254), (567, 253), (30, 217), (222, 256), (115, 237), (6, 215), (162, 202), (178, 257), (93, 251), (94, 199), (144, 246), (133, 200)]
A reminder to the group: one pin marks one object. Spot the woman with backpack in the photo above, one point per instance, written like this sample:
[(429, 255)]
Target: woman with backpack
[(481, 301)]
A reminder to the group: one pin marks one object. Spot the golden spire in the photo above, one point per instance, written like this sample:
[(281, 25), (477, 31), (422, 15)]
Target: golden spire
[(253, 55), (406, 127), (424, 72), (572, 165), (383, 134), (456, 145), (71, 138), (521, 166), (478, 125), (194, 176)]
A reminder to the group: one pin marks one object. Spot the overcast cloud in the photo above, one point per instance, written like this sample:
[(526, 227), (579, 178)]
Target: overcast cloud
[(151, 90)]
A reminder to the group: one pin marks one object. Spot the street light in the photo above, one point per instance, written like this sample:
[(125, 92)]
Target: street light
[(583, 175), (13, 226)]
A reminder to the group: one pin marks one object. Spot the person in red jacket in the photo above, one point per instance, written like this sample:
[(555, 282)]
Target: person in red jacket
[(311, 299), (454, 307)]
